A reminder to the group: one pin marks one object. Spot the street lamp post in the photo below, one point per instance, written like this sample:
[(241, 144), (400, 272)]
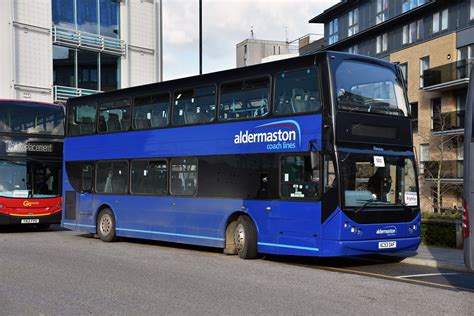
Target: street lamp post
[(200, 37)]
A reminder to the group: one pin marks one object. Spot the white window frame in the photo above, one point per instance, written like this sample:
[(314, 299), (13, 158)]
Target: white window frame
[(382, 43), (404, 69), (411, 32), (440, 21), (436, 22), (424, 61), (382, 9), (353, 49), (444, 19), (424, 156), (471, 10), (353, 19), (333, 31)]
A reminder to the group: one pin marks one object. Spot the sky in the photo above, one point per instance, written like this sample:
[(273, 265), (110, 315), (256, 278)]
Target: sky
[(226, 23)]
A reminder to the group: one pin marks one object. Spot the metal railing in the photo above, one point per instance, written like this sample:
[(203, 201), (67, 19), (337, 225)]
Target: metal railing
[(94, 42), (448, 72), (62, 93), (450, 169), (448, 121)]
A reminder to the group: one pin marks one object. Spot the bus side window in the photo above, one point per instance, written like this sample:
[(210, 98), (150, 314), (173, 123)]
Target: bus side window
[(116, 115), (183, 176), (297, 92), (82, 119), (245, 99), (299, 179), (151, 111), (112, 177), (194, 106), (87, 177), (149, 177)]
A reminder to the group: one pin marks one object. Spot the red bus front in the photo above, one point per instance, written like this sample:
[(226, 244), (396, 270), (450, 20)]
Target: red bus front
[(31, 139), (40, 212)]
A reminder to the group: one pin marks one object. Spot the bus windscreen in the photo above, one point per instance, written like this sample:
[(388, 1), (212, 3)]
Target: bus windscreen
[(378, 91), (31, 118)]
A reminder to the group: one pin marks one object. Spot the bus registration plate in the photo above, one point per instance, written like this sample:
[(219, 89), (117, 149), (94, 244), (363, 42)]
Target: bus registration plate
[(30, 221), (387, 244)]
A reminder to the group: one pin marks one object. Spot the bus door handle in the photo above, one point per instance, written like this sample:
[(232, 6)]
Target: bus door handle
[(268, 208)]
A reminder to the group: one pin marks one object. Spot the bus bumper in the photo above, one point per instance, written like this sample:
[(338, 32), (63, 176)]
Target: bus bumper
[(53, 218), (333, 248)]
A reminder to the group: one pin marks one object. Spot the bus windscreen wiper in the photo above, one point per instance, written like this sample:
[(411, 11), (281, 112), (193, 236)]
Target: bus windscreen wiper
[(368, 202), (404, 205)]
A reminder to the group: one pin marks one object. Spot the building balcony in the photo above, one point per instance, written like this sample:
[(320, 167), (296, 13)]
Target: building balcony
[(61, 93), (83, 40), (451, 171), (448, 123), (448, 77)]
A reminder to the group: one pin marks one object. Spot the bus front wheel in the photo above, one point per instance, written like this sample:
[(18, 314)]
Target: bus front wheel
[(106, 225), (245, 238)]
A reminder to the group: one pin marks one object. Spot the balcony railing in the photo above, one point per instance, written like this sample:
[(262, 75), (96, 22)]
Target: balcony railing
[(78, 39), (62, 94), (451, 170), (447, 75), (448, 121)]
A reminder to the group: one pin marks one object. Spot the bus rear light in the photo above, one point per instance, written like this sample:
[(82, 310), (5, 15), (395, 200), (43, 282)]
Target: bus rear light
[(465, 220)]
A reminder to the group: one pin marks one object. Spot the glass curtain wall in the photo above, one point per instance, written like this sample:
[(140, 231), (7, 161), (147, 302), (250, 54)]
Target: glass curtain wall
[(84, 69), (93, 16)]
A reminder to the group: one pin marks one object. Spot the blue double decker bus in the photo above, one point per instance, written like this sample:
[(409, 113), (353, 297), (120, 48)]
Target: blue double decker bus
[(307, 156)]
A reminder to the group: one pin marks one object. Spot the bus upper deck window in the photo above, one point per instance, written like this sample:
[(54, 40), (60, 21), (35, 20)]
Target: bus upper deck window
[(245, 99), (194, 106), (297, 92), (114, 116), (151, 111)]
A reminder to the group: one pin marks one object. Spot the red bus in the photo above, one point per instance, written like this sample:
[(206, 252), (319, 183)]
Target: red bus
[(31, 146)]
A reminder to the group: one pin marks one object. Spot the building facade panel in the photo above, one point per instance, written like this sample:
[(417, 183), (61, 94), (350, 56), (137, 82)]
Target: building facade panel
[(37, 13), (141, 67), (56, 49)]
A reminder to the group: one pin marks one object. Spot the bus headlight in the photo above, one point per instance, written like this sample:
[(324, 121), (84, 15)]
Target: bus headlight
[(346, 225), (353, 229), (414, 227), (359, 232)]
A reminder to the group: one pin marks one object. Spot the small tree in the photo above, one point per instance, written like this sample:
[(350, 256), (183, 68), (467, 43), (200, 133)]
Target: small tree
[(439, 167)]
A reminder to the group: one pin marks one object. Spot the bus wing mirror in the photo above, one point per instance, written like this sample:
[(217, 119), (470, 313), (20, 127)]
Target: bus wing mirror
[(314, 145)]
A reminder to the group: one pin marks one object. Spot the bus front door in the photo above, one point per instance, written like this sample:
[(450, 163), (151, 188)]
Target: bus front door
[(86, 197)]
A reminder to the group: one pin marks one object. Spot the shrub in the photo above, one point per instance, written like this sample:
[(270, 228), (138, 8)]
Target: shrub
[(438, 233)]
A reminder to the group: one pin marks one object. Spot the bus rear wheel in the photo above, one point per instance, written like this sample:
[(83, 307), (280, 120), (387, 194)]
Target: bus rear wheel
[(106, 225), (245, 238)]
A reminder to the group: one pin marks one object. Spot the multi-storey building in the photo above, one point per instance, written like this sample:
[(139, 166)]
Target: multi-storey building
[(251, 51), (55, 49), (433, 41)]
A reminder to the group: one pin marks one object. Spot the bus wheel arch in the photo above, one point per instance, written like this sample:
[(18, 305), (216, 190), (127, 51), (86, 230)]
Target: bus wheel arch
[(241, 236), (106, 224)]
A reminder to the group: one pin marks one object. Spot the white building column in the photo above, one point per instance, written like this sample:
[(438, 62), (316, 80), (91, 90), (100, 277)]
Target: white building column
[(6, 50)]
